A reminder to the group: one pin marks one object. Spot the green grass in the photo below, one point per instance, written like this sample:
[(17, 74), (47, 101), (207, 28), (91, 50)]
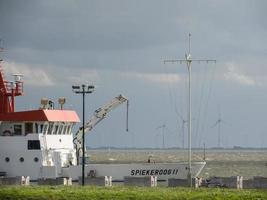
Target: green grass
[(117, 193)]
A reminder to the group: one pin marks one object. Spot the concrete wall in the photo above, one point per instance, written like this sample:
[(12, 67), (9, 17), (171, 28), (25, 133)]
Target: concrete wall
[(260, 182), (54, 181), (257, 182), (147, 181), (227, 182), (174, 182), (97, 181), (248, 184), (18, 180)]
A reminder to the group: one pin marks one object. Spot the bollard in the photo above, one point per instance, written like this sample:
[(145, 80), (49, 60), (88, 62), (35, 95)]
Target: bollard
[(197, 182), (239, 182)]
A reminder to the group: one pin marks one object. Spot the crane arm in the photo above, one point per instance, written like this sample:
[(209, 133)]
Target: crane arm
[(97, 117)]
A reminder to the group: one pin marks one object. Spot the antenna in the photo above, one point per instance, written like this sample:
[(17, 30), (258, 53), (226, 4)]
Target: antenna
[(188, 61), (17, 77), (1, 48)]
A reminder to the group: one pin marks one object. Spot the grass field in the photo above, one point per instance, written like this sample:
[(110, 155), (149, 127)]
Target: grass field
[(88, 192)]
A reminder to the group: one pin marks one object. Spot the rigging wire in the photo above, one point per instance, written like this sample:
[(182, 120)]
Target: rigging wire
[(172, 97), (205, 108), (204, 98), (202, 85), (204, 88)]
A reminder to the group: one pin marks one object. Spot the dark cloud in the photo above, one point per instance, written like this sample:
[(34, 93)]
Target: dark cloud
[(100, 40), (120, 32), (98, 25)]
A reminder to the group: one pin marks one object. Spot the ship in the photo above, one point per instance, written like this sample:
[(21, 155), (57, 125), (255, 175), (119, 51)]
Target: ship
[(41, 143)]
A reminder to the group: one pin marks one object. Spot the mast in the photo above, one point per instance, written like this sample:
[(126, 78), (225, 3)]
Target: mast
[(188, 63), (188, 60), (9, 89)]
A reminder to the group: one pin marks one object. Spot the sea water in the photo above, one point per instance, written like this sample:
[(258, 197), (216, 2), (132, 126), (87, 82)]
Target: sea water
[(246, 163)]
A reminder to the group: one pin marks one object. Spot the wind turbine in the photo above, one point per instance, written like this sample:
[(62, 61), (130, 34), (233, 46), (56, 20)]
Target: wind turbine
[(1, 45), (218, 124), (183, 127), (162, 127)]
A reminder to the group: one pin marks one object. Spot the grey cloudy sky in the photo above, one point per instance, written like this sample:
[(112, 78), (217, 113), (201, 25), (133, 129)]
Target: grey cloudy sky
[(119, 46)]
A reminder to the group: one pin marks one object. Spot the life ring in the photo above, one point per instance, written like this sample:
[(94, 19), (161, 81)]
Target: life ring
[(7, 133)]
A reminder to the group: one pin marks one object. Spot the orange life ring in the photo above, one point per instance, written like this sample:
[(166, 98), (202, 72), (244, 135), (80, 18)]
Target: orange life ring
[(7, 132)]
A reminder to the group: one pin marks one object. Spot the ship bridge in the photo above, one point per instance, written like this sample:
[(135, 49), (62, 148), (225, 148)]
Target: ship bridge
[(48, 122)]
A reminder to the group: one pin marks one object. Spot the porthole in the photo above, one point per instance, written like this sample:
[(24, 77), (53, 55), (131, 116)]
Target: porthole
[(7, 159), (21, 159), (36, 159)]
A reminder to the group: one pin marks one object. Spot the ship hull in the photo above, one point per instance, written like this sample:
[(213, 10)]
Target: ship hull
[(17, 160), (163, 171)]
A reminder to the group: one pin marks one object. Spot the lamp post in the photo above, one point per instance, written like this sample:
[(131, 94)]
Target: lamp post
[(83, 89)]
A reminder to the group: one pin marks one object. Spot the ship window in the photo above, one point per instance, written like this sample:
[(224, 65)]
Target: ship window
[(45, 129), (64, 130), (33, 144), (69, 129), (28, 128), (50, 128), (36, 159), (17, 129), (60, 130), (7, 159), (36, 128), (21, 159), (41, 128), (55, 130)]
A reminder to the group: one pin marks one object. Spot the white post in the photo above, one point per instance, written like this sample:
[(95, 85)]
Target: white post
[(189, 120), (188, 63)]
